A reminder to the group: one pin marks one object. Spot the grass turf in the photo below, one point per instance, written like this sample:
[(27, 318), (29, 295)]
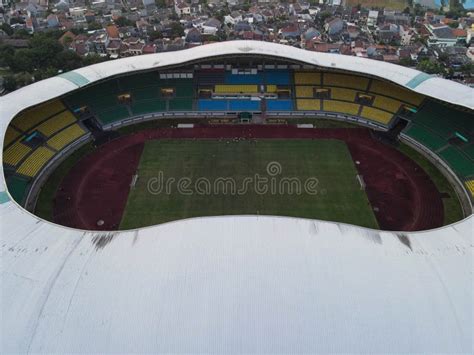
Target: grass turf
[(338, 197)]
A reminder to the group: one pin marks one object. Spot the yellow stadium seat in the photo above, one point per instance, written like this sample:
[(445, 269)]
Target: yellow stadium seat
[(35, 161), (396, 92), (470, 187), (63, 138), (271, 89), (376, 115), (236, 89), (308, 104), (309, 78), (386, 103), (341, 107), (10, 135), (15, 153), (304, 91), (56, 123), (345, 81), (343, 94), (32, 117)]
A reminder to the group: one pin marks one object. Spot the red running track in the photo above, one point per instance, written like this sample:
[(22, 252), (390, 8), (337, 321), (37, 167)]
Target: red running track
[(403, 196)]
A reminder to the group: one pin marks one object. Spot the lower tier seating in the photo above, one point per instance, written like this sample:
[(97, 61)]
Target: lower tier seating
[(17, 186), (236, 89), (425, 137), (470, 186), (35, 161), (115, 114), (304, 91), (376, 115), (212, 105), (308, 104), (279, 105), (244, 105), (144, 107), (460, 163), (66, 136), (341, 107), (15, 153)]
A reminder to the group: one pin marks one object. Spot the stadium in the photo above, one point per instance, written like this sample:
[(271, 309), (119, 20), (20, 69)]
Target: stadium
[(238, 197)]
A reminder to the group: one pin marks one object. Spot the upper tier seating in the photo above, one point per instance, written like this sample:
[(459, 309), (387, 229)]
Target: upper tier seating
[(243, 78), (387, 89), (345, 81), (35, 161), (11, 135), (387, 104), (66, 136), (343, 94), (56, 123), (210, 77), (376, 115), (307, 78), (30, 118), (276, 77), (341, 107)]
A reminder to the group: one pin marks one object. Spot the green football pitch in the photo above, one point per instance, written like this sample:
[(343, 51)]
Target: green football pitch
[(300, 178)]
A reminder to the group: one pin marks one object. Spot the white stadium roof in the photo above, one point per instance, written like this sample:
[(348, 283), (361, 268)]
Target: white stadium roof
[(233, 284)]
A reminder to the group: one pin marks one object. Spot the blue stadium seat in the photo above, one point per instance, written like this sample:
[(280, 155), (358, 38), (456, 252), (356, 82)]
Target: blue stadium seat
[(277, 77), (243, 79), (244, 105), (279, 105), (212, 105)]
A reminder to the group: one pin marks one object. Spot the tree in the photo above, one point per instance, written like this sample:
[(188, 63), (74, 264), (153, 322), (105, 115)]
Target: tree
[(9, 82), (155, 35), (123, 21), (94, 26), (161, 4), (5, 27), (430, 67), (177, 29)]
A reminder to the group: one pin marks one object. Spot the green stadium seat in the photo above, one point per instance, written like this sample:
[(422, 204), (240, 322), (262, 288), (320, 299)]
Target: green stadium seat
[(425, 137), (17, 186), (144, 107), (460, 163), (113, 115)]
